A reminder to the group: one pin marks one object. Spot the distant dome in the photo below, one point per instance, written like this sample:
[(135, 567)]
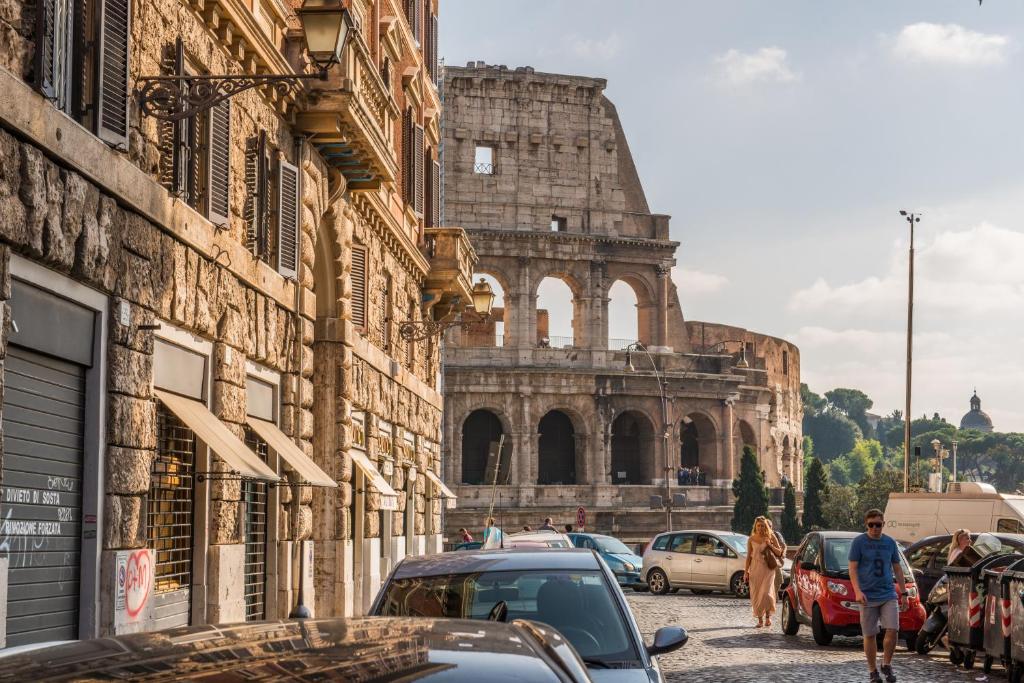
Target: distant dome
[(976, 418)]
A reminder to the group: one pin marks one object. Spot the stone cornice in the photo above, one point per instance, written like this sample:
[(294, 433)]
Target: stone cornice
[(569, 238), (380, 221)]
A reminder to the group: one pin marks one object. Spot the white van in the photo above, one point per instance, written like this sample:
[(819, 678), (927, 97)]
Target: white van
[(910, 517)]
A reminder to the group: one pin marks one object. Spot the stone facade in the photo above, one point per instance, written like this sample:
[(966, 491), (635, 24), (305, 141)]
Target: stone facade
[(210, 308), (561, 198)]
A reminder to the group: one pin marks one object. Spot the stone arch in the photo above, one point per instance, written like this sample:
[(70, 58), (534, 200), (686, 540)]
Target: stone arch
[(746, 436), (787, 457), (556, 449), (646, 305), (698, 444), (328, 266), (495, 331), (633, 448), (551, 330), (482, 430)]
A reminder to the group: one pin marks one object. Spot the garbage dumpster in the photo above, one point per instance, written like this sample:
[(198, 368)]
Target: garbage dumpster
[(1013, 583), (997, 616), (967, 592)]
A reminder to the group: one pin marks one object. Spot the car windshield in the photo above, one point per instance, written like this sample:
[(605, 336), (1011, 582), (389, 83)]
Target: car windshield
[(737, 542), (837, 558), (607, 544), (577, 603)]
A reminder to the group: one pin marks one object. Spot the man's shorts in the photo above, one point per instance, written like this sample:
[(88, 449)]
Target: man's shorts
[(887, 613)]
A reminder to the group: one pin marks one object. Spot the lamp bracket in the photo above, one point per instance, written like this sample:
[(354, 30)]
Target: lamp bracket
[(173, 98), (418, 330)]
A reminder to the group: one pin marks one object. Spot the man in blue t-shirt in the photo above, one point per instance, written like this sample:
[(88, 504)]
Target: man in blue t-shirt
[(874, 560)]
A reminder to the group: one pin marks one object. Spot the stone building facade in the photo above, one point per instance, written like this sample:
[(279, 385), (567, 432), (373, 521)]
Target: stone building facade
[(208, 414), (539, 173)]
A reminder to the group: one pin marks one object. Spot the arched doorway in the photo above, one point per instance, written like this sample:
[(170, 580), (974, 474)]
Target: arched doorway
[(698, 446), (558, 321), (632, 449), (556, 451), (747, 438), (481, 433)]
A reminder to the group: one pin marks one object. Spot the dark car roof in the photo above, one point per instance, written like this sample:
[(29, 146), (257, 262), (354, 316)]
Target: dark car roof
[(314, 650), (518, 559)]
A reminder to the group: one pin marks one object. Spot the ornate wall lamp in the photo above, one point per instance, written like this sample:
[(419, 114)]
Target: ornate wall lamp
[(326, 25), (483, 300)]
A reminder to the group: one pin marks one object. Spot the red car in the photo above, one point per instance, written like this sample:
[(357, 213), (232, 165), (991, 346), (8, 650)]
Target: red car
[(820, 593)]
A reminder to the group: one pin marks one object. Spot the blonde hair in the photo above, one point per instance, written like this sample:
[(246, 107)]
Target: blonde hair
[(958, 534), (763, 523)]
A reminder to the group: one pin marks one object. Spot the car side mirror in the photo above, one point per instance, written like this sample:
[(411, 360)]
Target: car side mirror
[(668, 639), (808, 566)]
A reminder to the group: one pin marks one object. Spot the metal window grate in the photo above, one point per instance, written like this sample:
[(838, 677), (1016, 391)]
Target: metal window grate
[(169, 509), (255, 494)]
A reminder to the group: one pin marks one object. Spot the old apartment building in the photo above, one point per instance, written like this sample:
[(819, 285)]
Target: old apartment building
[(539, 173), (209, 414)]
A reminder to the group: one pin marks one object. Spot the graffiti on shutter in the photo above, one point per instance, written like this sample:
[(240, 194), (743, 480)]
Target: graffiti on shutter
[(287, 219), (113, 87), (220, 164), (358, 277)]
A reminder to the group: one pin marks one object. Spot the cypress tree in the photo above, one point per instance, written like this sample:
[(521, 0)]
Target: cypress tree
[(815, 489), (791, 528), (751, 494)]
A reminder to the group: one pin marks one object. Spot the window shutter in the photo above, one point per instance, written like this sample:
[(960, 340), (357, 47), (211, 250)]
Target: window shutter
[(418, 169), (250, 209), (55, 28), (432, 64), (408, 175), (113, 88), (288, 219), (435, 194), (218, 207), (358, 277)]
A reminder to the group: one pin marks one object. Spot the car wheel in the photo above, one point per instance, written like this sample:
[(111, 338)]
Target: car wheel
[(822, 636), (911, 642), (739, 587), (657, 582), (790, 625)]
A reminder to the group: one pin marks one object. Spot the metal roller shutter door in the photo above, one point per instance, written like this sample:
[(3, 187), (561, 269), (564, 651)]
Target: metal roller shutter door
[(41, 506)]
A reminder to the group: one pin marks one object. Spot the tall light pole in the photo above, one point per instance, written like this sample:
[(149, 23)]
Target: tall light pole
[(666, 427), (911, 218), (954, 459)]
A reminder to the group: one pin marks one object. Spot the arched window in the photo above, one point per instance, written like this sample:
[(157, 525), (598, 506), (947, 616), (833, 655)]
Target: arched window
[(481, 434), (556, 315), (490, 332), (632, 449), (556, 452), (623, 316)]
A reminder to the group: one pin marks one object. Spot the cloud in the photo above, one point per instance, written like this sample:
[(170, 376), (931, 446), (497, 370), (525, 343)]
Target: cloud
[(977, 271), (950, 44), (767, 65), (592, 49), (697, 281)]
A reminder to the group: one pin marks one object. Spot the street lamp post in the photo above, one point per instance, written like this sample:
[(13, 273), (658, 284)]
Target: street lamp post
[(937, 447), (954, 460), (662, 386), (912, 219)]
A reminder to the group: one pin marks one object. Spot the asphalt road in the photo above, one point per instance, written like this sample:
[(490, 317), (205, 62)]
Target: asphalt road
[(725, 647)]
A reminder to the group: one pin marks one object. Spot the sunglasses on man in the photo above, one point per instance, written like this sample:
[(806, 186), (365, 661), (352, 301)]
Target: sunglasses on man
[(876, 525)]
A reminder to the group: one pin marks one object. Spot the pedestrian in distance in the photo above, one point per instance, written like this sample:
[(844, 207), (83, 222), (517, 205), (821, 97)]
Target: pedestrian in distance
[(874, 561), (466, 536), (961, 542), (568, 528), (547, 525), (763, 555), (492, 535), (527, 528)]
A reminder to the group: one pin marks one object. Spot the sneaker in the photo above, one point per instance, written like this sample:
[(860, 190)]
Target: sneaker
[(876, 677), (890, 677)]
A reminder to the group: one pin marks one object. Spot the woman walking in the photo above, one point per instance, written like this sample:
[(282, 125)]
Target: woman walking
[(763, 556)]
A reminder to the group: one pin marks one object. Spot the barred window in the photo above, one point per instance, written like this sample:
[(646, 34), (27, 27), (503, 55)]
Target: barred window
[(169, 507), (255, 495)]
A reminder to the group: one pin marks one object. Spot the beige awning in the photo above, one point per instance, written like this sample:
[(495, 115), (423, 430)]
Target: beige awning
[(291, 453), (446, 493), (388, 497), (217, 437)]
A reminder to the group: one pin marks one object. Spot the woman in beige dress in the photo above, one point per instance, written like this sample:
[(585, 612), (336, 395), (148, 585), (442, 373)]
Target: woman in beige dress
[(758, 574)]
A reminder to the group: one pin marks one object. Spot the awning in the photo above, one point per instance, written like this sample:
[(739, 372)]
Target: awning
[(291, 453), (388, 497), (446, 493), (217, 437)]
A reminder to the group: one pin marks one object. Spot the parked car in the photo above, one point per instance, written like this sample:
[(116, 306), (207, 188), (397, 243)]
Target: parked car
[(820, 593), (538, 539), (469, 545), (571, 590), (700, 560), (438, 650), (927, 557), (623, 562)]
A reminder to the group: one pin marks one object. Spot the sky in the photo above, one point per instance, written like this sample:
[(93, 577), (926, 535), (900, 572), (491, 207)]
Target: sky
[(784, 137)]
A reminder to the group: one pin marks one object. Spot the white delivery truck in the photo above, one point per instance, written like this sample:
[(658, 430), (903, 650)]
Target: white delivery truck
[(910, 517)]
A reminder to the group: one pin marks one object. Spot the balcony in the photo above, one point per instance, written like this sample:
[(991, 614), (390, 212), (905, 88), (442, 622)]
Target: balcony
[(452, 261), (351, 117)]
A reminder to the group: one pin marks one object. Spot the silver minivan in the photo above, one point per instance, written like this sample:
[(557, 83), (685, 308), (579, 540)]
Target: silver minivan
[(700, 560)]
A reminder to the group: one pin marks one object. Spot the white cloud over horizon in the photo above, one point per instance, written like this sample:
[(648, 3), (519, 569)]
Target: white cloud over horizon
[(926, 42), (693, 281), (766, 65)]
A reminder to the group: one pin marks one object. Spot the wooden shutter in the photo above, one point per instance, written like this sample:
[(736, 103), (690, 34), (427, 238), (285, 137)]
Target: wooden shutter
[(250, 208), (287, 219), (112, 93), (434, 195), (55, 31), (358, 277), (408, 174), (418, 169), (431, 56), (219, 186)]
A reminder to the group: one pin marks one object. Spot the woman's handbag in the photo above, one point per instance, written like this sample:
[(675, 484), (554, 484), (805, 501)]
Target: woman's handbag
[(769, 557)]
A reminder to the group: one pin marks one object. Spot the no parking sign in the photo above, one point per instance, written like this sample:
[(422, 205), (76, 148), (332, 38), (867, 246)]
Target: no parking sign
[(581, 518)]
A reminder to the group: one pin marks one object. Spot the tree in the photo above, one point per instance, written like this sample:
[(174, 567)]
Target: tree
[(815, 489), (751, 494), (854, 404), (813, 403), (790, 523), (842, 509), (833, 434), (873, 491)]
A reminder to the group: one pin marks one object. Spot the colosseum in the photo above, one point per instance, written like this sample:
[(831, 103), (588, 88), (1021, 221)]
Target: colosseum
[(545, 412)]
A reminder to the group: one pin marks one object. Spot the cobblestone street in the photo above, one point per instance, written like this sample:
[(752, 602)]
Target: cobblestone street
[(724, 648)]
